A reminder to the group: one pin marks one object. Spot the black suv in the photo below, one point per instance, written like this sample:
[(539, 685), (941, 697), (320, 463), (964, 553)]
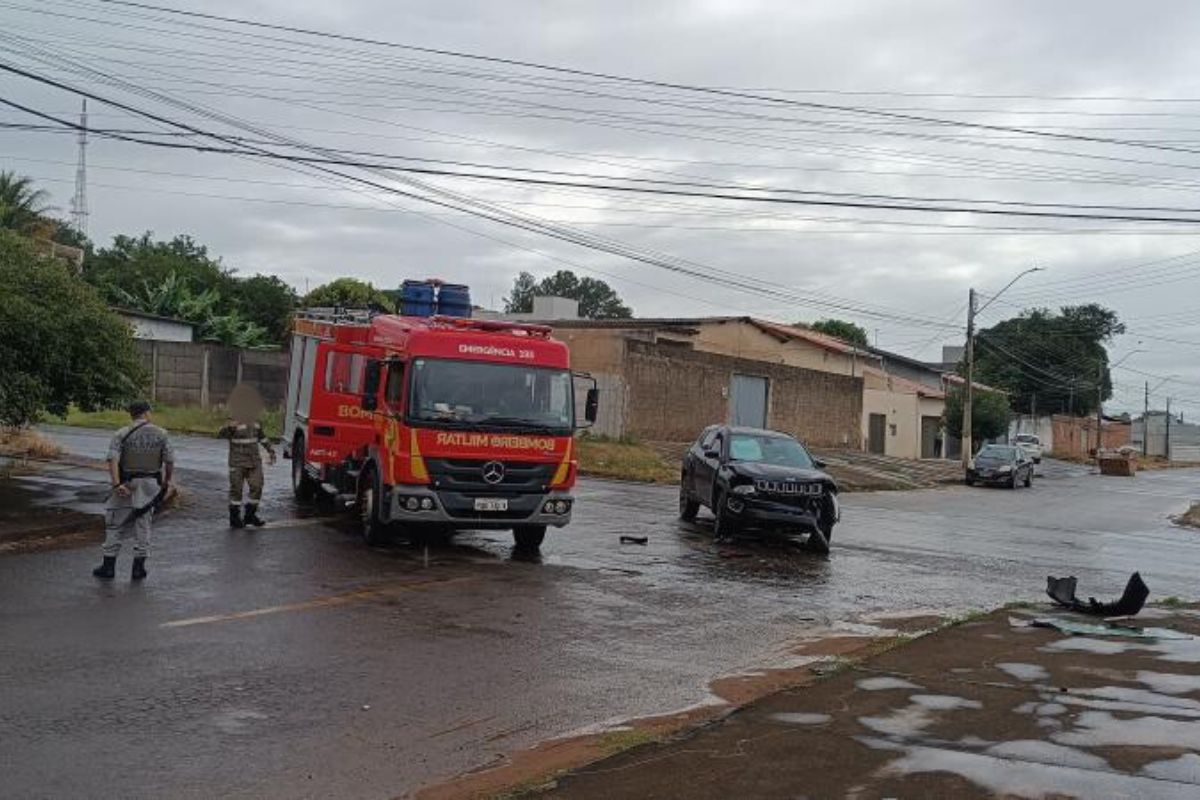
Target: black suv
[(757, 479)]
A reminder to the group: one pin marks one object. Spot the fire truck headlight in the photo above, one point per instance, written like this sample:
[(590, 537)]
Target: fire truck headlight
[(548, 508), (562, 507), (412, 504), (426, 503)]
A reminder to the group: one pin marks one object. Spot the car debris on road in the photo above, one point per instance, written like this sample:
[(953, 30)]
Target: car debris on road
[(1062, 591)]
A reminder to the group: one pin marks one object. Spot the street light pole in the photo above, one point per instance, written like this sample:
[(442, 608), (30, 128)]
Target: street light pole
[(969, 396), (1146, 424), (1100, 397)]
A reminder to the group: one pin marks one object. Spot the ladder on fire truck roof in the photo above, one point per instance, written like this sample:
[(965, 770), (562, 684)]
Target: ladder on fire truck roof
[(358, 316), (337, 316)]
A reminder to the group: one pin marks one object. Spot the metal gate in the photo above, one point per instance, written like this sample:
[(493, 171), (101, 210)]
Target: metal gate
[(930, 426), (748, 401), (877, 433)]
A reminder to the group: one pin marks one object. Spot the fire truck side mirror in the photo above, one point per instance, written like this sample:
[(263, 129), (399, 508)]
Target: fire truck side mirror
[(371, 378), (591, 407)]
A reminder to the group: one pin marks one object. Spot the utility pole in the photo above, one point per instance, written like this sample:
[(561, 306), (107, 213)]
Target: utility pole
[(968, 406), (1146, 424), (79, 203), (1168, 446), (969, 395), (1099, 409)]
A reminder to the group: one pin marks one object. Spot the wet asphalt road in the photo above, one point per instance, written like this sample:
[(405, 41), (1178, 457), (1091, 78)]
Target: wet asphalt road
[(295, 662)]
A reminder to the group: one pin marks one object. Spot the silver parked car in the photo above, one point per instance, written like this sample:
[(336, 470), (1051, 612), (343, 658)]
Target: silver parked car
[(1031, 444)]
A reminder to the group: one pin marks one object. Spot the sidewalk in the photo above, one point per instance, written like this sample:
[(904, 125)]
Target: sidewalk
[(991, 707)]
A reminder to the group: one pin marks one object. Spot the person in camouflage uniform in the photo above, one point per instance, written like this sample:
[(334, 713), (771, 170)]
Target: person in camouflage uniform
[(140, 466), (246, 468)]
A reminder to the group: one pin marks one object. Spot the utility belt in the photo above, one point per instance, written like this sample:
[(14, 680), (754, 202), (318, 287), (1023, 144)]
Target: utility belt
[(129, 475)]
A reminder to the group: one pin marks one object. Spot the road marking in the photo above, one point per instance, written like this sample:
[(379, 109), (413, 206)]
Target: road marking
[(317, 602)]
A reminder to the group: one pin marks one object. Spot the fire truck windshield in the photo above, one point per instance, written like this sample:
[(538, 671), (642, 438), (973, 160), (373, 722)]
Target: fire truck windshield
[(484, 395)]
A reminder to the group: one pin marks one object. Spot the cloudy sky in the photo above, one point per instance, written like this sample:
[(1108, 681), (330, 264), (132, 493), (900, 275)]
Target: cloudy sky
[(866, 90)]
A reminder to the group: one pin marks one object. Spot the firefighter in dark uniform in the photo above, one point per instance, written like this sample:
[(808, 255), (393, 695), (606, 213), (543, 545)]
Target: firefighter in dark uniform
[(246, 468), (140, 465)]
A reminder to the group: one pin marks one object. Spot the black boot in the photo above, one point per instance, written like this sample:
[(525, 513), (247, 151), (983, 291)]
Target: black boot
[(139, 568), (235, 517), (107, 570), (252, 517)]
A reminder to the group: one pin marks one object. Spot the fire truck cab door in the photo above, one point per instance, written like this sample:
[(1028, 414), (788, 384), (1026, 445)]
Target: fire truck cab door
[(394, 386)]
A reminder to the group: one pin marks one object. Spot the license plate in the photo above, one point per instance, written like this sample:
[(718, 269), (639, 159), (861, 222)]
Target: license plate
[(491, 504)]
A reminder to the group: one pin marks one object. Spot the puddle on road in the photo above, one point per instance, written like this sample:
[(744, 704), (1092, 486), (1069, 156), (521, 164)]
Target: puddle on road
[(883, 683), (1186, 769), (1169, 683), (1102, 729), (914, 718), (1040, 752), (1025, 672), (1005, 776), (800, 718)]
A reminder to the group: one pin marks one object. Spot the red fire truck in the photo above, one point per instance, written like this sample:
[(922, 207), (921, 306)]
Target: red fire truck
[(433, 424)]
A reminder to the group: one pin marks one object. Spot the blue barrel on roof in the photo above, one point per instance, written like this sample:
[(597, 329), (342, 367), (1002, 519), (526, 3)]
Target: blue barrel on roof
[(454, 300), (417, 299)]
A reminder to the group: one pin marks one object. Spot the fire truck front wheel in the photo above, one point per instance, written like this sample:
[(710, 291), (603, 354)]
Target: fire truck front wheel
[(529, 537), (375, 531)]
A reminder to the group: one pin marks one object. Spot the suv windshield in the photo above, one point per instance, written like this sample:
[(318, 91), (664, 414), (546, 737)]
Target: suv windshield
[(1025, 438), (480, 394), (778, 450)]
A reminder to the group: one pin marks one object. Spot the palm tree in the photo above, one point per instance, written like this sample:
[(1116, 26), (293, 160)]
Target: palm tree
[(22, 207)]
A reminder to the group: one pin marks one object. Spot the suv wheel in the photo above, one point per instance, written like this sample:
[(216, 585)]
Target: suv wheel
[(724, 526), (818, 541), (688, 508)]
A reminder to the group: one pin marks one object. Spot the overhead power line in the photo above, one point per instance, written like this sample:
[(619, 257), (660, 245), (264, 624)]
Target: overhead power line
[(655, 187), (658, 84)]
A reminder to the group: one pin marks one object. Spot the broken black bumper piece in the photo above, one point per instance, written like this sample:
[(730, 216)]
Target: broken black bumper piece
[(1062, 591)]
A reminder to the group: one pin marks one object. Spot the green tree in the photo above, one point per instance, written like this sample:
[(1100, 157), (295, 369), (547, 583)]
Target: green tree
[(1054, 360), (841, 329), (59, 343), (132, 263), (23, 208), (597, 300), (989, 414), (520, 299), (178, 278), (267, 302), (348, 293)]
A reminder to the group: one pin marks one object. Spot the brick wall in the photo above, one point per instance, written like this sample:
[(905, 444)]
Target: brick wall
[(1075, 437), (197, 374), (672, 392)]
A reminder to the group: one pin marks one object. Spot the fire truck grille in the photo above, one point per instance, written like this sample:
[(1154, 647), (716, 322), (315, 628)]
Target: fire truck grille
[(469, 476)]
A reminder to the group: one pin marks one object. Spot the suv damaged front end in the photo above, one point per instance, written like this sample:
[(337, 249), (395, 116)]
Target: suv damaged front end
[(761, 497)]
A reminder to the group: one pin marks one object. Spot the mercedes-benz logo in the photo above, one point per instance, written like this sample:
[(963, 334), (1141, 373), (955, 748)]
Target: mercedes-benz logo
[(493, 472)]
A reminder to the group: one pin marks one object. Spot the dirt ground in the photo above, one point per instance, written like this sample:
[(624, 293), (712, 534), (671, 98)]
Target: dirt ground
[(1191, 517), (990, 707)]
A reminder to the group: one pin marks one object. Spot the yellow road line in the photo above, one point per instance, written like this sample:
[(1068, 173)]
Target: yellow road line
[(317, 602)]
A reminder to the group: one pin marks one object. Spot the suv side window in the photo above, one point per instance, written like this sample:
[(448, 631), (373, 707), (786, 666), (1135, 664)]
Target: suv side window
[(718, 443), (706, 438)]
